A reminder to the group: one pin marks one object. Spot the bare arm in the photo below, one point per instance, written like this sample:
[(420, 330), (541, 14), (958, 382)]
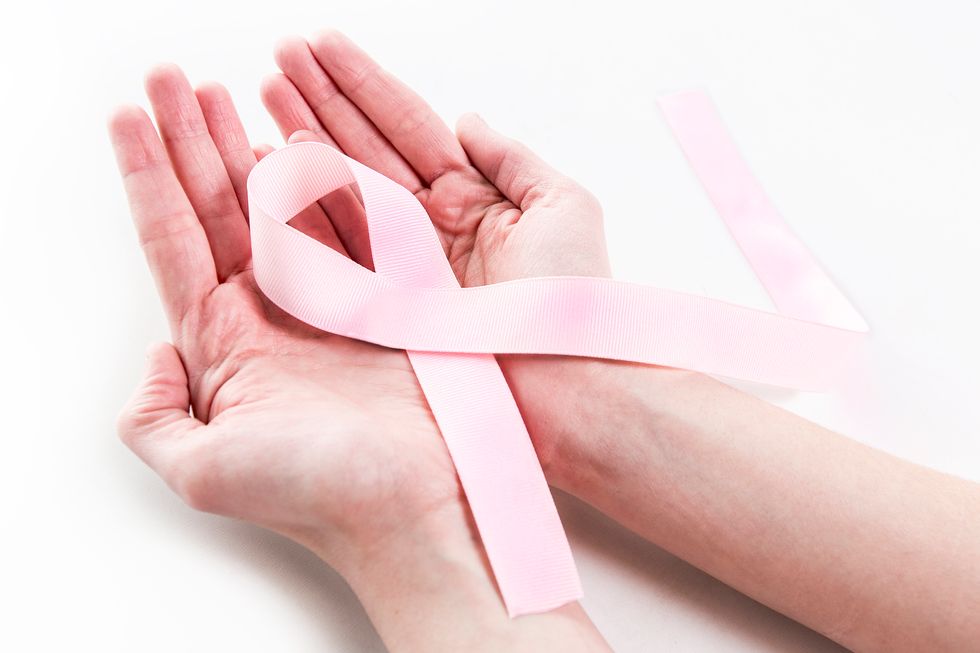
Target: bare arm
[(430, 589), (325, 440), (875, 552)]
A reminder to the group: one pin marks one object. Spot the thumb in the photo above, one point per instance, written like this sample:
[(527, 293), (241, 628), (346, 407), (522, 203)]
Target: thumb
[(158, 412), (511, 166)]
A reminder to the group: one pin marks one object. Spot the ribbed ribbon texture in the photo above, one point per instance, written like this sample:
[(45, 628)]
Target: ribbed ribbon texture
[(412, 301)]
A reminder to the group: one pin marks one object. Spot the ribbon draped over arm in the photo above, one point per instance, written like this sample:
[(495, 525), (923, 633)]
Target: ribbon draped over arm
[(412, 301)]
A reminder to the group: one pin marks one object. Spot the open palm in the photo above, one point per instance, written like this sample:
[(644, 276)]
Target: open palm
[(293, 428), (501, 212)]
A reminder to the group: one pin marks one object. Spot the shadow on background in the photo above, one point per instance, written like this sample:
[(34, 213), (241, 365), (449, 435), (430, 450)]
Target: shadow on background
[(671, 579), (600, 544)]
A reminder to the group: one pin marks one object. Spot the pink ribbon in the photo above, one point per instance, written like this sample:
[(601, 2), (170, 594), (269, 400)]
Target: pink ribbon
[(795, 281), (413, 302)]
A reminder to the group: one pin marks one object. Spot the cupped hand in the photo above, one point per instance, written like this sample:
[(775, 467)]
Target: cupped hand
[(324, 439), (502, 213)]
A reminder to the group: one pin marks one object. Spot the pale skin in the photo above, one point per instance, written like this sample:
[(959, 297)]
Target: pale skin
[(329, 441)]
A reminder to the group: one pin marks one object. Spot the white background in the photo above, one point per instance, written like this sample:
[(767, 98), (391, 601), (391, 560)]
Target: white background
[(860, 119)]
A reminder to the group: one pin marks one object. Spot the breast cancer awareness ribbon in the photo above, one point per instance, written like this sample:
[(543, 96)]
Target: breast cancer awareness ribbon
[(412, 301)]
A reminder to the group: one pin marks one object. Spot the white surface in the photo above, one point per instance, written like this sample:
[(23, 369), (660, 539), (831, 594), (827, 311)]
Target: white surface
[(860, 119)]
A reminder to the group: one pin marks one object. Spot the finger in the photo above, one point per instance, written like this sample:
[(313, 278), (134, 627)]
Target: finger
[(199, 167), (341, 224), (346, 213), (156, 422), (228, 136), (312, 220), (262, 150), (515, 170), (289, 110), (403, 117), (170, 234), (356, 134)]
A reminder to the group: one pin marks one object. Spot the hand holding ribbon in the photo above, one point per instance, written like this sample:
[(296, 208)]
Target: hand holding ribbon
[(413, 302), (245, 361)]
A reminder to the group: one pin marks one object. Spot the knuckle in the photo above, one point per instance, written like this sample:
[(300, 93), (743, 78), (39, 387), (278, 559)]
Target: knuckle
[(362, 77), (412, 119), (573, 191), (327, 95), (134, 422)]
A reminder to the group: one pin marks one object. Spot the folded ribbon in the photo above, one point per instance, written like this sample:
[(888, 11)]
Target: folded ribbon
[(413, 302)]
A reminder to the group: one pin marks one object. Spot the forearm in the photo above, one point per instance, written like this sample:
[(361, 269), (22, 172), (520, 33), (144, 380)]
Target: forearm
[(873, 551), (430, 589)]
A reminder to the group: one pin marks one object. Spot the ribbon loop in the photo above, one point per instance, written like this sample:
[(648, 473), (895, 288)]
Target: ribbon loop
[(469, 398), (413, 302)]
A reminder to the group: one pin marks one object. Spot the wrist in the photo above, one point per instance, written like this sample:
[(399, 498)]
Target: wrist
[(582, 412), (413, 578), (429, 588)]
